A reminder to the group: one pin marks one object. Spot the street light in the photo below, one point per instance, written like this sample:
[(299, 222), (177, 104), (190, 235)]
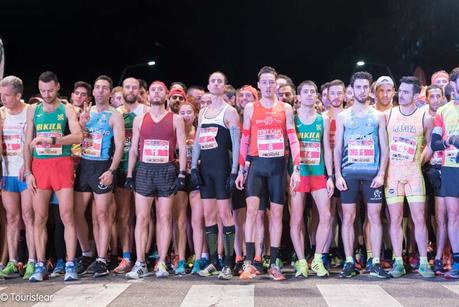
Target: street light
[(362, 63), (125, 69)]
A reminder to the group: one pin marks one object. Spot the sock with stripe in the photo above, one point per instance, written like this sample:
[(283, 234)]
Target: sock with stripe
[(228, 242), (212, 239)]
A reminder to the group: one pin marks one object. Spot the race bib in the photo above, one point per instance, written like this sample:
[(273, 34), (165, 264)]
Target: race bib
[(92, 145), (155, 151), (451, 153), (403, 148), (12, 145), (208, 138), (310, 153), (127, 141), (49, 149), (271, 145), (436, 158), (361, 151)]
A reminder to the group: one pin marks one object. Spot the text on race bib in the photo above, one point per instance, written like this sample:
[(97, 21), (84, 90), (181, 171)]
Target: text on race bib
[(155, 151)]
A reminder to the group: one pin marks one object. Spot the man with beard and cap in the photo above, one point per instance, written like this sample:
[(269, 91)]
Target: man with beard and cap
[(102, 149), (130, 109), (360, 161), (218, 133), (384, 94), (155, 136), (52, 127), (175, 98), (408, 127)]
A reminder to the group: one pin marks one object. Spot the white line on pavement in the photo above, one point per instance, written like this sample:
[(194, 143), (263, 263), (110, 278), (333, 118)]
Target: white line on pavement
[(454, 288), (219, 296), (2, 288), (92, 295), (356, 296)]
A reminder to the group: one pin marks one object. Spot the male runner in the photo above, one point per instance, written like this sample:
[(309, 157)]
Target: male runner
[(55, 127), (81, 94), (384, 95)]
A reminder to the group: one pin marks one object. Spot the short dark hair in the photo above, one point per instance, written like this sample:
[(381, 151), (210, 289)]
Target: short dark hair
[(267, 70), (289, 80), (143, 83), (225, 79), (324, 86), (230, 91), (195, 87), (306, 82), (291, 86), (361, 75), (449, 89), (48, 76), (433, 87), (414, 81), (84, 85), (106, 78), (337, 82), (454, 74), (181, 84)]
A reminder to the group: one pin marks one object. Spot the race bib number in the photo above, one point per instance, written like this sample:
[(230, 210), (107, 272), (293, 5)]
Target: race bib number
[(310, 153), (92, 145), (155, 151), (361, 151), (49, 149), (127, 141), (451, 153), (403, 148), (208, 138), (436, 158), (271, 145), (12, 145)]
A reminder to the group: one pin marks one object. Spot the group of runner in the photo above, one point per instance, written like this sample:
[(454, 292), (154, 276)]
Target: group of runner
[(225, 169)]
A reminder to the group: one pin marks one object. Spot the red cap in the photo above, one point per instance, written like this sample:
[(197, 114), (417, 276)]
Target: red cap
[(160, 83), (439, 74), (252, 90), (177, 91)]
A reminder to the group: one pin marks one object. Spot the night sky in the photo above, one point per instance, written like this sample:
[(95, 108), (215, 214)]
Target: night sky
[(318, 40)]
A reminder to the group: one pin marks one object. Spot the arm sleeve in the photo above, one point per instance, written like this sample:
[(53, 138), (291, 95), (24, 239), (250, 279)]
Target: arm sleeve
[(235, 133), (196, 149), (244, 148), (294, 146), (437, 142)]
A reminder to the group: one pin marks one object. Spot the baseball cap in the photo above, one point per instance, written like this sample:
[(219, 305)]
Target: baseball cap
[(384, 80)]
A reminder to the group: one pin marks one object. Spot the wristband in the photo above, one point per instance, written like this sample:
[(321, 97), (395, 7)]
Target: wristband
[(27, 173), (182, 173), (332, 177)]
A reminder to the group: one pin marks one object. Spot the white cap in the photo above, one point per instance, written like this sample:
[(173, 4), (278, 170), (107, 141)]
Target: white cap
[(384, 80)]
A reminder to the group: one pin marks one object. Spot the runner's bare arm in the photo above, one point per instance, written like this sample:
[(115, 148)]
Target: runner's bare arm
[(291, 133), (196, 148), (27, 150), (117, 123), (75, 136), (245, 138), (232, 122), (328, 157), (134, 151), (428, 127), (338, 151), (179, 125), (384, 146)]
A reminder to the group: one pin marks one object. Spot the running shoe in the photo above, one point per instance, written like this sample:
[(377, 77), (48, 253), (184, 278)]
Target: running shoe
[(100, 269), (209, 270), (113, 263), (454, 272), (319, 268), (279, 263), (91, 269), (196, 267), (293, 259), (70, 272), (124, 267), (225, 273), (190, 261), (348, 270), (29, 269), (258, 267), (438, 267), (10, 271), (377, 271), (301, 268), (83, 263), (369, 265), (413, 260), (138, 271), (59, 269), (398, 270), (426, 271), (180, 268), (161, 270), (275, 273), (40, 273), (266, 263), (249, 271), (238, 268)]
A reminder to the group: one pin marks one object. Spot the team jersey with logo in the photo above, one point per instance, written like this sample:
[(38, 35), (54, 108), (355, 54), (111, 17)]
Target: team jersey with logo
[(13, 140), (447, 124), (310, 138), (98, 135)]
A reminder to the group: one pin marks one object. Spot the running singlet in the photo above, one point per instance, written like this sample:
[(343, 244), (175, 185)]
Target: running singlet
[(157, 140), (310, 138), (447, 124), (128, 118), (267, 133), (405, 138), (360, 146), (13, 141), (53, 124), (332, 133), (98, 135), (214, 141)]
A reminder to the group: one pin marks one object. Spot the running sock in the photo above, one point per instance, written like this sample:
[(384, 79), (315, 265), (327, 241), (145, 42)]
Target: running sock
[(228, 243), (212, 239), (250, 250), (87, 253), (456, 257), (103, 260), (31, 260), (127, 256), (313, 247), (14, 261), (318, 257), (350, 259), (375, 260), (369, 255), (324, 256), (274, 253), (423, 260), (205, 256), (69, 263)]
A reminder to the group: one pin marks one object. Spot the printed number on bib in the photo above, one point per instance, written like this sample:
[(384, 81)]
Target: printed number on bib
[(12, 145), (155, 151), (403, 148), (49, 149), (361, 151), (310, 153), (208, 138), (92, 145), (127, 141), (270, 144)]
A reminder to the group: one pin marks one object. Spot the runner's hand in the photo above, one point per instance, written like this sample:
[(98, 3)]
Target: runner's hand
[(40, 140), (106, 178), (84, 116), (377, 182), (294, 181), (21, 174), (181, 184), (454, 140), (129, 183), (341, 183), (231, 182), (196, 179), (240, 180), (31, 184), (330, 187)]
